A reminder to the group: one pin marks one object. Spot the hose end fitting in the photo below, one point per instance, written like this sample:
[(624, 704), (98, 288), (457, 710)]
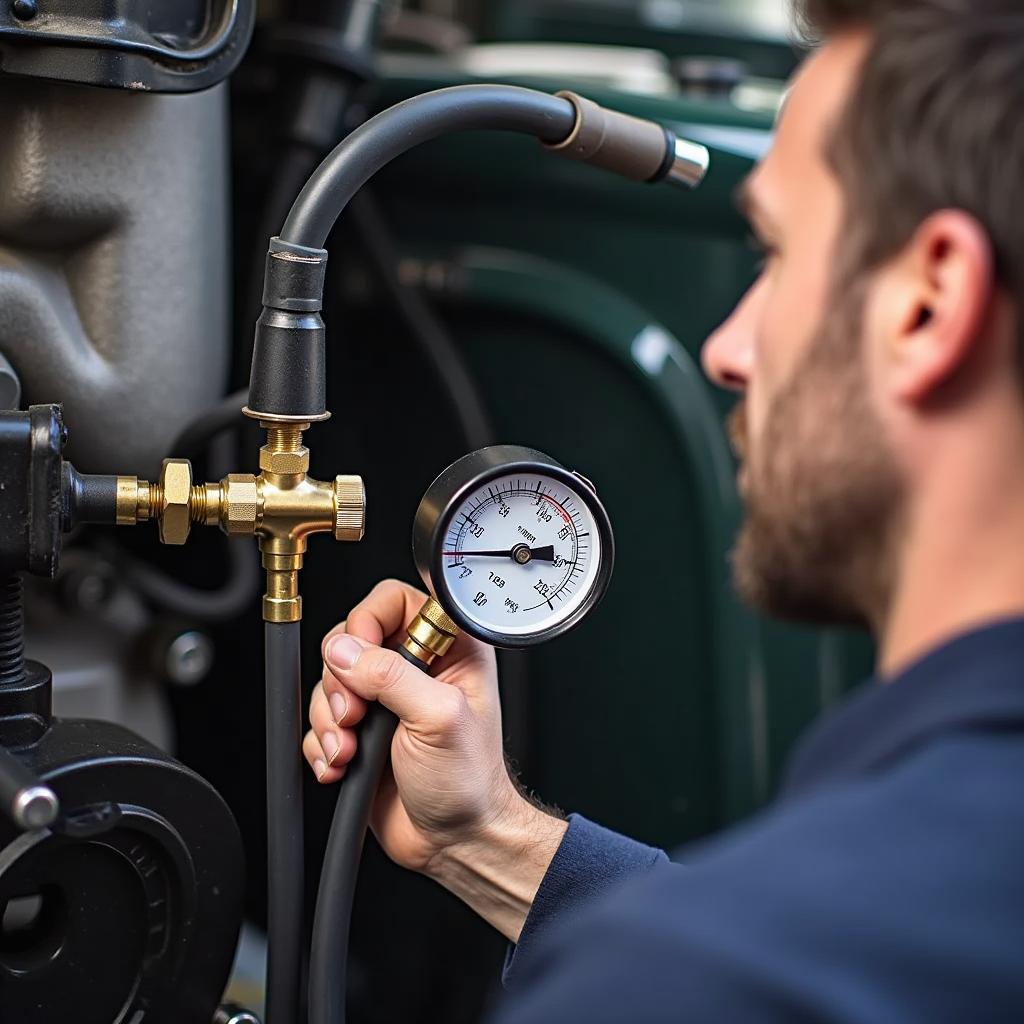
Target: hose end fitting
[(282, 602), (431, 633), (288, 383), (629, 146), (689, 163)]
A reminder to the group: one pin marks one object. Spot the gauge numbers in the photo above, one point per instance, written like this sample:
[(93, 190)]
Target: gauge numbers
[(521, 554)]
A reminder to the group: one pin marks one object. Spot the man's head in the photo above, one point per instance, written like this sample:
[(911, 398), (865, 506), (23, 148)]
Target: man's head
[(881, 338)]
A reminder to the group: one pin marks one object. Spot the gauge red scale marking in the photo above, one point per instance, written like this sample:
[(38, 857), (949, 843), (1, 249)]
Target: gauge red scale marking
[(546, 497)]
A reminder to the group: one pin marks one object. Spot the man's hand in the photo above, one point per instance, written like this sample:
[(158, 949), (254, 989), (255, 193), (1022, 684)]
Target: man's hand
[(447, 806)]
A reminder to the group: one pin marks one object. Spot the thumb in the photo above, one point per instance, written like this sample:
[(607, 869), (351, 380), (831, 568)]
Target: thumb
[(423, 703)]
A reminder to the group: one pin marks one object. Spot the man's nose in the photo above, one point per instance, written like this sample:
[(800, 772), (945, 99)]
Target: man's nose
[(728, 354)]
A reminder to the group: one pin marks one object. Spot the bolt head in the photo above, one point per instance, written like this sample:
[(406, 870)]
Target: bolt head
[(24, 10), (88, 588), (284, 463), (36, 807), (189, 658), (175, 516), (241, 500)]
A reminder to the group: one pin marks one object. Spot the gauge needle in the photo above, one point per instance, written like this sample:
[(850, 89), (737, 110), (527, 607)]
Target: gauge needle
[(516, 554)]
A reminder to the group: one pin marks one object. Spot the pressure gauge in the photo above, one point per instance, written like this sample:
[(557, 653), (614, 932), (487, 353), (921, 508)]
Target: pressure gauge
[(515, 548)]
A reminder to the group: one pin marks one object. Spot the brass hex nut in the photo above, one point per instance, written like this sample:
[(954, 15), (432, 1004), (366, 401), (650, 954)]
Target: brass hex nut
[(241, 503), (284, 463), (176, 487)]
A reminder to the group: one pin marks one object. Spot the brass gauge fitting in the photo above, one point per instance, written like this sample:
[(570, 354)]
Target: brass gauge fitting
[(281, 506), (431, 633)]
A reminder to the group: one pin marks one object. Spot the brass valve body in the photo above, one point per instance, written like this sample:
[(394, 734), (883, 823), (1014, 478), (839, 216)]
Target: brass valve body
[(281, 506)]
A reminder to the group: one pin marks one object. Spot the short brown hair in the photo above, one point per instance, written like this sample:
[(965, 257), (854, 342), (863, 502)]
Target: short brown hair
[(935, 121)]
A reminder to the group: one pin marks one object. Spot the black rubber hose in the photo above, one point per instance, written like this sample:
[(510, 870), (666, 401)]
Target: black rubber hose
[(285, 854), (453, 375), (221, 605), (227, 413), (293, 170), (414, 121), (328, 967)]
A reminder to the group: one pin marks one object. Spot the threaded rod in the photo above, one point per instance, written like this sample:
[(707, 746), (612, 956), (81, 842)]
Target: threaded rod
[(198, 504), (285, 437), (12, 633), (156, 501)]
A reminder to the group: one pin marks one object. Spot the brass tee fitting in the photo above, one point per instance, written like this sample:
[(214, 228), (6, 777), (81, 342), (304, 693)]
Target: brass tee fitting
[(281, 506)]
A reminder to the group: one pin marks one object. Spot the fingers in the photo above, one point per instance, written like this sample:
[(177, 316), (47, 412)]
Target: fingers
[(339, 705), (385, 611), (327, 747), (423, 703), (320, 762)]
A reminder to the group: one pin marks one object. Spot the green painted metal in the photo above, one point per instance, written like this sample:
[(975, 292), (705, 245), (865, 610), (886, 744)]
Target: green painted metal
[(602, 318), (683, 256), (706, 30), (671, 711)]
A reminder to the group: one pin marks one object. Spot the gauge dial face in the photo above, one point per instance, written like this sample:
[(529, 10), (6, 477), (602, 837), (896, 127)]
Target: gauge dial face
[(521, 554)]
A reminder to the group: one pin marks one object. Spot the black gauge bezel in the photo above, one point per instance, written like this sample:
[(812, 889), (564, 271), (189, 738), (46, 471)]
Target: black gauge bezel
[(447, 493)]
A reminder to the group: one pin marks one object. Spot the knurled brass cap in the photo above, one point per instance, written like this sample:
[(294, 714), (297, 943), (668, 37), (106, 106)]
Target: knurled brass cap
[(350, 508), (175, 518)]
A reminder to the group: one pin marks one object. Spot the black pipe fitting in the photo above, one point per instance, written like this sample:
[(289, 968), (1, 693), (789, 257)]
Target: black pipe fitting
[(87, 499), (289, 360), (30, 467)]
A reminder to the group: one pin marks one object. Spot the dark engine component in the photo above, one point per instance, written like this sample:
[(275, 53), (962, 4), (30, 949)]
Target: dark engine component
[(120, 869), (129, 907), (164, 46)]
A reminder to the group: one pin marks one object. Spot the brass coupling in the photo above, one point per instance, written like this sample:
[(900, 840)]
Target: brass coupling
[(431, 634), (281, 506)]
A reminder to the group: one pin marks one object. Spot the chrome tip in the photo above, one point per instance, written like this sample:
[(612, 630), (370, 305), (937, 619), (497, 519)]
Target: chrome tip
[(36, 807), (233, 1015), (690, 165)]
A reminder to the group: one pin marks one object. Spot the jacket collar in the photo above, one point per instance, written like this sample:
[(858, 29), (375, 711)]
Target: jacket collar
[(974, 681)]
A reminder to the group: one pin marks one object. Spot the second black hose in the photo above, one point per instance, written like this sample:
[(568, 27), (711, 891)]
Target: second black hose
[(328, 968), (285, 854)]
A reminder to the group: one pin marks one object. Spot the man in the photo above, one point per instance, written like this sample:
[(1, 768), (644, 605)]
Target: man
[(880, 355)]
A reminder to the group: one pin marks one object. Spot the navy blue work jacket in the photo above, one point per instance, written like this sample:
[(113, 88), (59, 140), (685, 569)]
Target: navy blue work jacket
[(885, 885)]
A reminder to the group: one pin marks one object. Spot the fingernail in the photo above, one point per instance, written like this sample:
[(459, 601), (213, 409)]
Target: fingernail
[(343, 652), (319, 768), (338, 707), (331, 746)]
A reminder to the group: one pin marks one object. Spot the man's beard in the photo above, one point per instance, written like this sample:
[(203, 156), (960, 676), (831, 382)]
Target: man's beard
[(823, 493)]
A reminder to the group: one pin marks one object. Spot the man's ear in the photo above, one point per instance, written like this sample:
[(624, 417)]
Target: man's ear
[(947, 284)]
